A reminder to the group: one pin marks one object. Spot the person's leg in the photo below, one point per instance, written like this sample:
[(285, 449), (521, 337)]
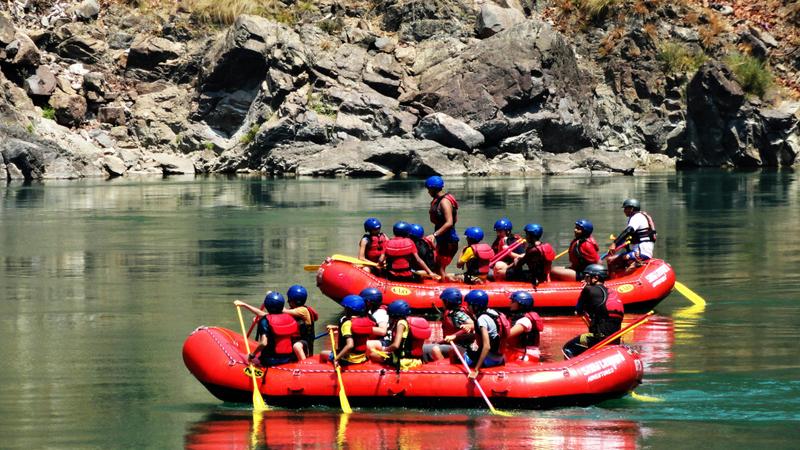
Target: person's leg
[(299, 350), (562, 274)]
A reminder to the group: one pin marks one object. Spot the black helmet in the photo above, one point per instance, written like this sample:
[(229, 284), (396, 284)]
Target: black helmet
[(633, 203), (597, 270)]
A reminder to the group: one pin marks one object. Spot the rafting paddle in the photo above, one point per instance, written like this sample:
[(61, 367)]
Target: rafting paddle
[(613, 337), (478, 385), (342, 395), (689, 294), (561, 254), (343, 258), (258, 401), (502, 254)]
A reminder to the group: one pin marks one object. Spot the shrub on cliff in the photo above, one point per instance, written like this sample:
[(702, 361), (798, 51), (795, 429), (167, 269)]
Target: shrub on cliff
[(752, 73), (678, 58)]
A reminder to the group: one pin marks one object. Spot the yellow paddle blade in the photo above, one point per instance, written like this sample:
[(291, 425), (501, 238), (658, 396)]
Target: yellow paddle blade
[(311, 267), (342, 395), (353, 260), (497, 412), (645, 398), (689, 294), (561, 254), (259, 405)]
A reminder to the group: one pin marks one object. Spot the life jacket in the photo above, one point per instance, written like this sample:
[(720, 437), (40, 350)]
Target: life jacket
[(613, 304), (361, 328), (529, 338), (375, 246), (607, 316), (418, 331), (426, 251), (399, 255), (576, 258), (479, 263), (435, 213), (307, 329), (501, 244), (539, 259), (283, 331), (497, 344), (645, 234)]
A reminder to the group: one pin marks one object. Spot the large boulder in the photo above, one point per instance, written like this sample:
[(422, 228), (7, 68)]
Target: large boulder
[(153, 58), (493, 19), (70, 109), (448, 131)]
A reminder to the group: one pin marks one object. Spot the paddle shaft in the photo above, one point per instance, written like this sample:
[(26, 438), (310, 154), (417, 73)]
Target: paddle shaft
[(622, 332), (342, 395), (477, 384), (505, 252), (258, 401)]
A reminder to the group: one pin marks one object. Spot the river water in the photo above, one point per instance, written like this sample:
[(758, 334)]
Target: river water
[(100, 283)]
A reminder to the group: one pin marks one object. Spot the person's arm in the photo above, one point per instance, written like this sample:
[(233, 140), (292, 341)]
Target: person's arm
[(484, 337), (348, 346), (362, 248), (298, 313), (397, 338), (465, 257), (252, 309), (262, 343), (423, 265), (516, 330)]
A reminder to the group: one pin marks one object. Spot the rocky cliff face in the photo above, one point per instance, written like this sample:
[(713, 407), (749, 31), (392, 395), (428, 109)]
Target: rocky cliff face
[(380, 88)]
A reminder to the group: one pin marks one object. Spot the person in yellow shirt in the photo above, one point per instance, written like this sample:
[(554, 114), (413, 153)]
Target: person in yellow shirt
[(355, 328), (475, 257)]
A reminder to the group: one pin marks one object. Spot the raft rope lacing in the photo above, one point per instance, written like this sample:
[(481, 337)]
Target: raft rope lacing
[(234, 361)]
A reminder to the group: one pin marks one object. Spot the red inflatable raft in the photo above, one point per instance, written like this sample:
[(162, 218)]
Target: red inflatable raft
[(217, 358), (640, 290)]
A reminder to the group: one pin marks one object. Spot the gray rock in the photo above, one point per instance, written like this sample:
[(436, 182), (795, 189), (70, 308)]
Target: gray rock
[(113, 114), (14, 173), (69, 109), (115, 166), (493, 19), (25, 158), (152, 57), (74, 44), (87, 10), (448, 131), (384, 44), (102, 138), (22, 51), (43, 83), (686, 34), (3, 174), (7, 30), (174, 164)]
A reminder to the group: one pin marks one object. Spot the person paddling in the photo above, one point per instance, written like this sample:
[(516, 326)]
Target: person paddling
[(376, 310), (277, 333), (505, 238), (538, 257), (523, 339), (408, 335), (640, 235), (475, 257), (443, 213), (355, 328), (373, 243), (305, 316), (602, 308), (583, 250), (487, 350), (457, 326)]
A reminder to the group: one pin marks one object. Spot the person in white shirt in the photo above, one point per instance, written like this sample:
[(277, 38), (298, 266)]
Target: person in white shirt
[(638, 238)]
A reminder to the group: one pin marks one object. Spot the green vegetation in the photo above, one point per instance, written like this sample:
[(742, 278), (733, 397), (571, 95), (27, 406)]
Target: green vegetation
[(209, 145), (678, 58), (250, 135), (331, 26), (48, 113), (30, 128), (752, 73), (225, 12), (319, 105)]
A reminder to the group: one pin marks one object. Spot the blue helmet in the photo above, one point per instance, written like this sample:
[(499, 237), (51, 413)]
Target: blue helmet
[(451, 297), (297, 295), (477, 298), (372, 224), (524, 298), (399, 308), (354, 303), (503, 224), (401, 229), (585, 225), (434, 182), (417, 231), (372, 296), (474, 233), (534, 229), (597, 270), (274, 302)]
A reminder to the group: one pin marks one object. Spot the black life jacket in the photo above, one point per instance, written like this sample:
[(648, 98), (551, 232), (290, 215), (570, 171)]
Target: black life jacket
[(645, 234)]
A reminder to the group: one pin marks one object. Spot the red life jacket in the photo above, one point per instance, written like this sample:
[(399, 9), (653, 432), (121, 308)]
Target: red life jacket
[(614, 306), (497, 344), (418, 331), (283, 330), (435, 213), (375, 246), (479, 263), (528, 338), (578, 249), (399, 255), (361, 328), (501, 244), (539, 259)]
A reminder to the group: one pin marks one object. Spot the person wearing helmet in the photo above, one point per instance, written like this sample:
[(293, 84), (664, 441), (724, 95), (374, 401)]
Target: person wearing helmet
[(425, 247), (305, 316), (457, 327), (489, 328), (538, 257), (408, 335), (475, 257), (378, 312), (505, 238), (372, 244), (638, 238), (443, 213), (355, 329), (523, 338), (276, 334), (401, 255), (601, 308), (583, 250)]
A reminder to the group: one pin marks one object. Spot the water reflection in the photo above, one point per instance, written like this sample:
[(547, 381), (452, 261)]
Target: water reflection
[(409, 430)]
